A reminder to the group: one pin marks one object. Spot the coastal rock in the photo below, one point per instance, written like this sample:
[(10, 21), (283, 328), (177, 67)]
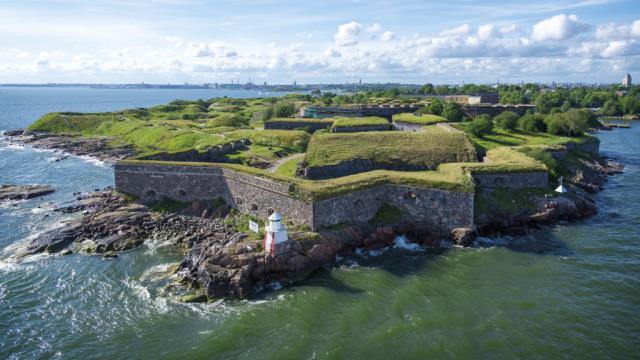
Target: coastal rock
[(21, 192), (106, 149), (462, 236)]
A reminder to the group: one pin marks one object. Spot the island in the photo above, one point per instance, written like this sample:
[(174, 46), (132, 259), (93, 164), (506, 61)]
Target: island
[(338, 179)]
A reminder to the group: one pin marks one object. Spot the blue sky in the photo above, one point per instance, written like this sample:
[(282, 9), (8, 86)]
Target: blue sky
[(277, 41)]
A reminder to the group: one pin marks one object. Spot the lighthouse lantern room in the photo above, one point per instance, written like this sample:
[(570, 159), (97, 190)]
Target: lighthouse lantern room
[(275, 235)]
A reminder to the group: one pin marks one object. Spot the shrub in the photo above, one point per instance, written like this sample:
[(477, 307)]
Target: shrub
[(232, 120), (267, 114), (506, 120), (436, 107), (480, 126), (284, 110), (453, 112), (532, 123), (572, 123)]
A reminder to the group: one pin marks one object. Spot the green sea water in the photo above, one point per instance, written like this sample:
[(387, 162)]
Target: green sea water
[(572, 292)]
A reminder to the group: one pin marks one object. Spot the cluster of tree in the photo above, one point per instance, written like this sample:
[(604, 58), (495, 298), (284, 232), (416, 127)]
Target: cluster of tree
[(574, 122), (278, 110)]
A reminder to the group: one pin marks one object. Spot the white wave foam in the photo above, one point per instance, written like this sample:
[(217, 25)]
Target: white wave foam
[(401, 242), (94, 161)]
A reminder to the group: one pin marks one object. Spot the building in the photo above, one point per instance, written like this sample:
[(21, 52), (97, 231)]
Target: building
[(275, 235), (385, 111), (473, 99), (626, 82)]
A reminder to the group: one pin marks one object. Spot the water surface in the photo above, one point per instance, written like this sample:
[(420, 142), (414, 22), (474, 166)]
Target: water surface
[(574, 293)]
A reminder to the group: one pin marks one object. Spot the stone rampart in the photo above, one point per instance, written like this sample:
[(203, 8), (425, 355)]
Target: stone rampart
[(350, 129), (515, 180), (247, 193), (309, 126), (212, 154), (441, 210)]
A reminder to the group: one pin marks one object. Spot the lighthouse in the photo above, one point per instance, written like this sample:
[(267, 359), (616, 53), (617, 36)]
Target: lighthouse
[(275, 235)]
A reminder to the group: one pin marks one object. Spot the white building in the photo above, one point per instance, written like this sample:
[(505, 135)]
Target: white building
[(626, 82), (275, 235)]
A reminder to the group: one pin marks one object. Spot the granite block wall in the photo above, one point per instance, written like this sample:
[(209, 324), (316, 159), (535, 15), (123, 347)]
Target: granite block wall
[(442, 210), (538, 179)]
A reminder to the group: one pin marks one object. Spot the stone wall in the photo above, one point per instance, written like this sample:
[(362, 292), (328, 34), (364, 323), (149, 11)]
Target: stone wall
[(538, 179), (249, 194), (356, 166), (441, 210), (350, 129), (297, 125), (212, 154), (591, 148)]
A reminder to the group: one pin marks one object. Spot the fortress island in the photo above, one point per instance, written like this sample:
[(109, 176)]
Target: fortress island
[(338, 174)]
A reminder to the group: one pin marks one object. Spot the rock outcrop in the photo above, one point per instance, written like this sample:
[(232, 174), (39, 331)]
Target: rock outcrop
[(106, 149), (22, 192)]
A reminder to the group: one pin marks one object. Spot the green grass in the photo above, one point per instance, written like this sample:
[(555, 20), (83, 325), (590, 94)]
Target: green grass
[(425, 119), (500, 137), (288, 168), (363, 121), (421, 149)]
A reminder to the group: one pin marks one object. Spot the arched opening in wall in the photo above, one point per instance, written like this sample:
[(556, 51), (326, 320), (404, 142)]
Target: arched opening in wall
[(181, 193), (270, 211), (239, 201), (254, 207)]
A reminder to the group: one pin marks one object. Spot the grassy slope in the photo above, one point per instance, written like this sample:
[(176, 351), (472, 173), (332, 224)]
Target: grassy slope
[(365, 121), (426, 119), (500, 137), (423, 149)]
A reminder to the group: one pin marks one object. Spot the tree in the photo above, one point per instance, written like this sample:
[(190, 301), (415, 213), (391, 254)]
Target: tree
[(436, 107), (453, 112), (426, 89), (612, 108), (566, 105), (630, 105), (267, 114), (480, 126), (284, 109), (507, 120), (532, 123), (543, 104), (572, 123)]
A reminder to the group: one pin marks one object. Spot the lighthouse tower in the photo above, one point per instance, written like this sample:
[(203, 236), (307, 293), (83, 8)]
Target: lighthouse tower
[(275, 235)]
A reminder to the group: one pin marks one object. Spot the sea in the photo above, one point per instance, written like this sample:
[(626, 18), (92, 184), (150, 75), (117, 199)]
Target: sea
[(572, 292)]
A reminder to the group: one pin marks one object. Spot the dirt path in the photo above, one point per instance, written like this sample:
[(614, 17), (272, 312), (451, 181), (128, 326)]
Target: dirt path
[(279, 162)]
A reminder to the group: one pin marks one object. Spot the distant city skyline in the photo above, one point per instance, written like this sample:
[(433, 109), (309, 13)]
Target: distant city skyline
[(282, 41)]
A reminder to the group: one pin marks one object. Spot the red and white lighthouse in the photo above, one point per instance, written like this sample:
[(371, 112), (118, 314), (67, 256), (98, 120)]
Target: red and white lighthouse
[(275, 235)]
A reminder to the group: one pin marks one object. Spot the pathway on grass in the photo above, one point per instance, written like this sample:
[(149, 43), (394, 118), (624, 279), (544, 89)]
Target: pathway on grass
[(279, 162)]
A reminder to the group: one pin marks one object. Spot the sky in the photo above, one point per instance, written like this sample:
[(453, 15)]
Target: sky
[(318, 41)]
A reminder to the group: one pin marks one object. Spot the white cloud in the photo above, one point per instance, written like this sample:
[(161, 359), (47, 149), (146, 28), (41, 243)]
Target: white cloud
[(387, 36), (635, 28), (460, 30), (347, 34), (330, 52), (375, 27), (559, 27), (486, 32)]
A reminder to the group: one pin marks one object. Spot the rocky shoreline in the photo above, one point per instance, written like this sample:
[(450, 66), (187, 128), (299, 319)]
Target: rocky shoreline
[(221, 261), (105, 149), (23, 192)]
